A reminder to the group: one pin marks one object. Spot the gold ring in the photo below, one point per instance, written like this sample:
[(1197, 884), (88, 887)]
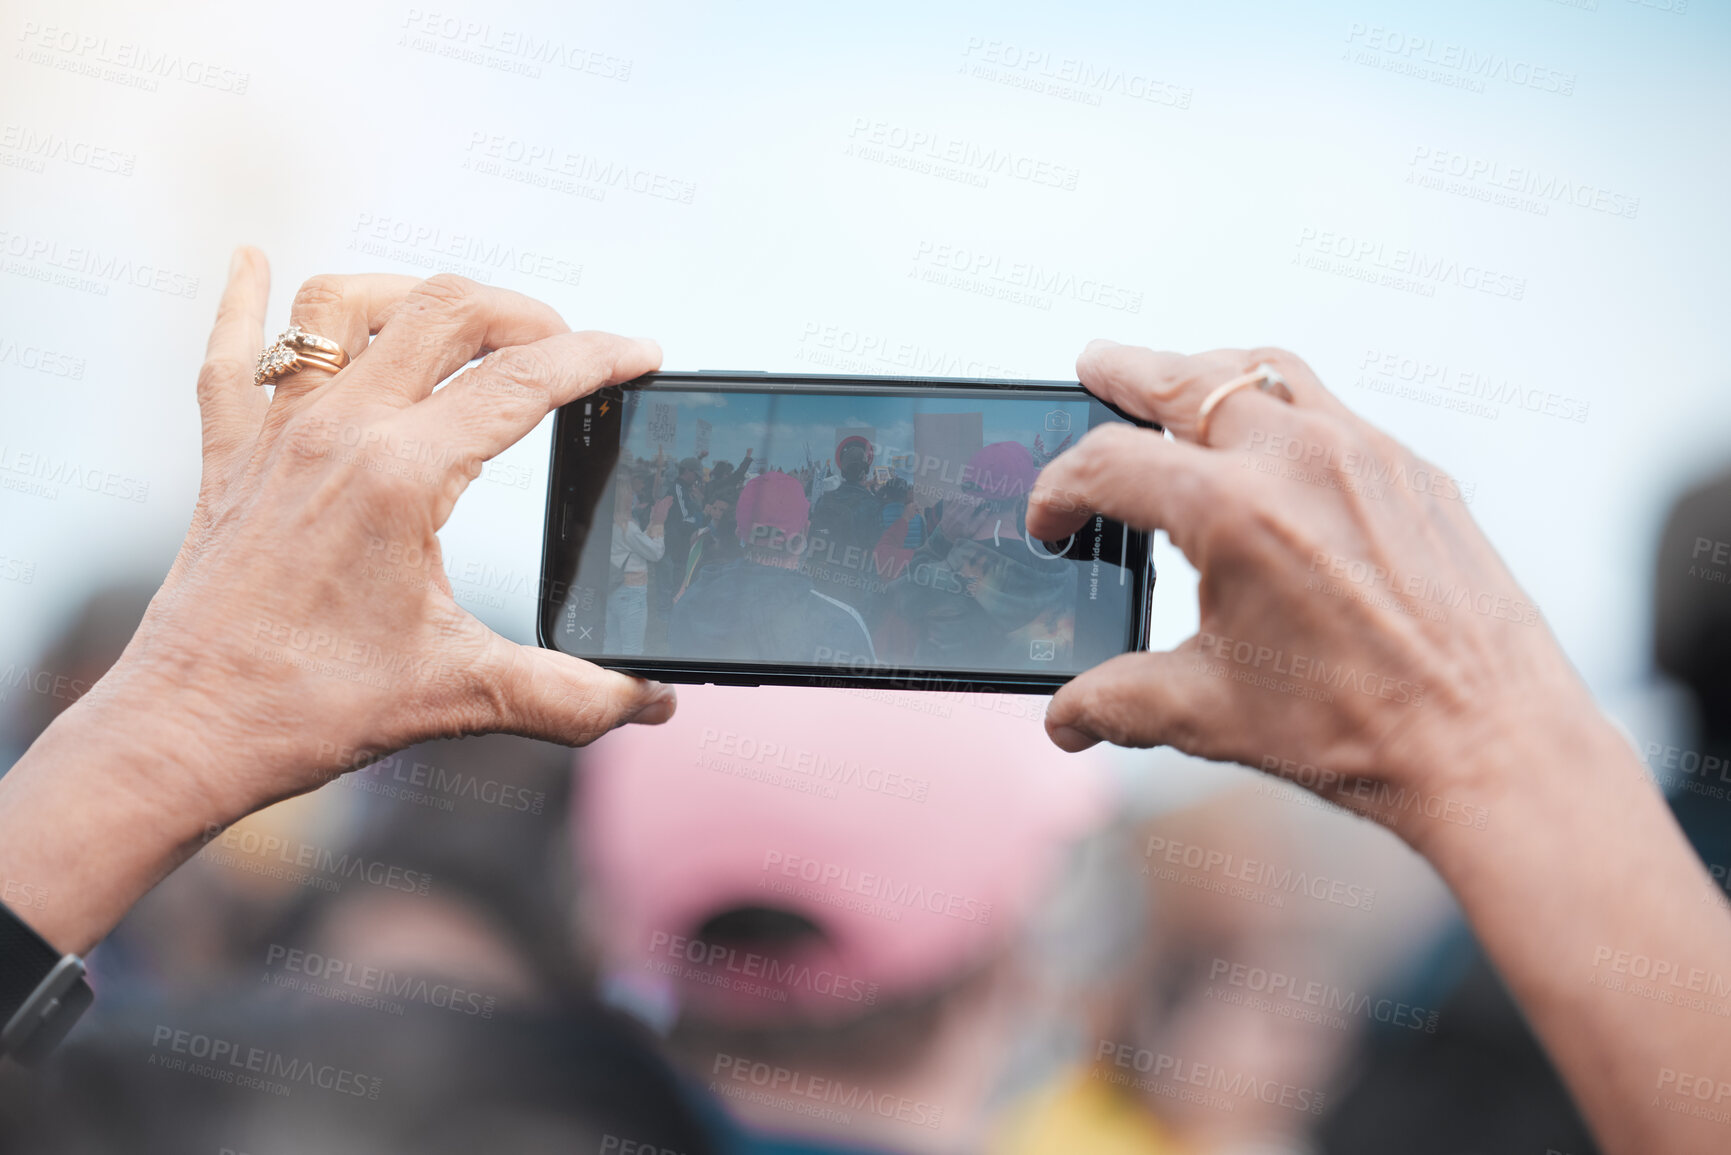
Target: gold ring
[(298, 349), (1264, 377)]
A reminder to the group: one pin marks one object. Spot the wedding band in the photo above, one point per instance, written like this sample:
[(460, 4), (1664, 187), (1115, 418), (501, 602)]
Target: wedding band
[(298, 349), (1264, 377)]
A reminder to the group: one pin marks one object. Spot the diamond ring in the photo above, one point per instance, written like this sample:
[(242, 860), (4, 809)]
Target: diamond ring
[(298, 349)]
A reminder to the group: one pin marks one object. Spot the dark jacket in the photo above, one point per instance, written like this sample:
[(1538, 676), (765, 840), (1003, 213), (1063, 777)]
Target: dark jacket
[(849, 515), (750, 612)]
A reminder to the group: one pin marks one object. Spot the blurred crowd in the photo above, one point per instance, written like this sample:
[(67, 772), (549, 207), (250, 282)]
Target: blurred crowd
[(810, 921)]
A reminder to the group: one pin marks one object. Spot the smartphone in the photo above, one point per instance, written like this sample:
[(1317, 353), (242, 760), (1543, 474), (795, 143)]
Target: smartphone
[(743, 528)]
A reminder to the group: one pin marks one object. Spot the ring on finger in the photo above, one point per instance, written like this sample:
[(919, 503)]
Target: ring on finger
[(298, 349), (1264, 377)]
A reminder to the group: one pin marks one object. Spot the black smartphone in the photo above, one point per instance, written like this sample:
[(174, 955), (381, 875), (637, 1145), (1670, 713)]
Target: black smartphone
[(752, 529)]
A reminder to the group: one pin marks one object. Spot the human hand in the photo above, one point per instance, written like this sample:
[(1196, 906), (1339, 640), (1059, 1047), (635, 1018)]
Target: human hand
[(658, 514), (307, 622), (1356, 627)]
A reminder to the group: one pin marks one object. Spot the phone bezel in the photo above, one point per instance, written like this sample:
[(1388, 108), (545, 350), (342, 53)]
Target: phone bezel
[(699, 672)]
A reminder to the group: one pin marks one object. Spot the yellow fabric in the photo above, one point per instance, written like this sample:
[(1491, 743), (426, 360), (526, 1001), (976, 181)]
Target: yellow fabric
[(1078, 1115)]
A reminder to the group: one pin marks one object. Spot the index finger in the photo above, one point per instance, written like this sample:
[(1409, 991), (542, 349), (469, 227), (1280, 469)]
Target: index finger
[(494, 405), (228, 404), (1132, 475), (439, 325), (1170, 387)]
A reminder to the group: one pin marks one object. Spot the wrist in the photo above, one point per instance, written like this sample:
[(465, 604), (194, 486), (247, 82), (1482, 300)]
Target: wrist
[(101, 807), (1554, 755)]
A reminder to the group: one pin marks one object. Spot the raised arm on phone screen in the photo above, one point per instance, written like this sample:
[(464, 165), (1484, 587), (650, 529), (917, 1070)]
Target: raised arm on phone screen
[(1360, 637), (307, 623)]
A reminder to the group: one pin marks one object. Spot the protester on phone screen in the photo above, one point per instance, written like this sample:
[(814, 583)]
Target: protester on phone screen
[(634, 549)]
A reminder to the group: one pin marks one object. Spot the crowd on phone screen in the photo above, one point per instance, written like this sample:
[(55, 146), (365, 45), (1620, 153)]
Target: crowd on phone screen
[(834, 562)]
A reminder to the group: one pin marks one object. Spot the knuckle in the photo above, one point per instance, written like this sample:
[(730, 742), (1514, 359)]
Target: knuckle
[(492, 706), (1123, 370), (1100, 711), (307, 438), (1289, 364), (519, 368), (1192, 489), (582, 713), (394, 491), (1082, 703), (1114, 437), (1098, 360), (219, 374), (443, 295), (599, 351), (230, 311), (1099, 454), (1318, 433), (319, 294), (1264, 522), (539, 699)]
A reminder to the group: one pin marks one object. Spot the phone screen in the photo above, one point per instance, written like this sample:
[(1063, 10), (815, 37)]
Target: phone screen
[(841, 526)]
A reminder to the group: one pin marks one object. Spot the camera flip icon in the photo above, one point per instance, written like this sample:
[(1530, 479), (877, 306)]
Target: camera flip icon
[(1057, 421)]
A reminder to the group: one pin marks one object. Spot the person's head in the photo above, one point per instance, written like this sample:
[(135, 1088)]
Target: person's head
[(947, 821), (999, 478), (853, 459), (1003, 471), (722, 471), (772, 516), (717, 508), (690, 470)]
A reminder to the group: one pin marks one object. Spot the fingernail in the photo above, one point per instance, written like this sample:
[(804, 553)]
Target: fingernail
[(234, 262), (657, 710), (1100, 344), (1070, 739)]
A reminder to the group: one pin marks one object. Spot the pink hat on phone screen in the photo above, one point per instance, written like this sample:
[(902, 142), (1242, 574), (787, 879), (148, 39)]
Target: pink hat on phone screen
[(776, 500), (1003, 470)]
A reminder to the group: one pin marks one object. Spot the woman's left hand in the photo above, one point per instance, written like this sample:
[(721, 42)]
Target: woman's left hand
[(307, 625)]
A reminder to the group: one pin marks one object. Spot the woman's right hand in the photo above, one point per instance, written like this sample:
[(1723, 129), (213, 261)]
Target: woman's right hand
[(1358, 634)]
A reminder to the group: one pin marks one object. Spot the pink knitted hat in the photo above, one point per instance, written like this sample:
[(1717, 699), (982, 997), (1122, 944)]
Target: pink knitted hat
[(1003, 469)]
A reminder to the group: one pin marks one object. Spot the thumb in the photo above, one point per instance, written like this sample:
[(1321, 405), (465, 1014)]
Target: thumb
[(1141, 699), (554, 696)]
